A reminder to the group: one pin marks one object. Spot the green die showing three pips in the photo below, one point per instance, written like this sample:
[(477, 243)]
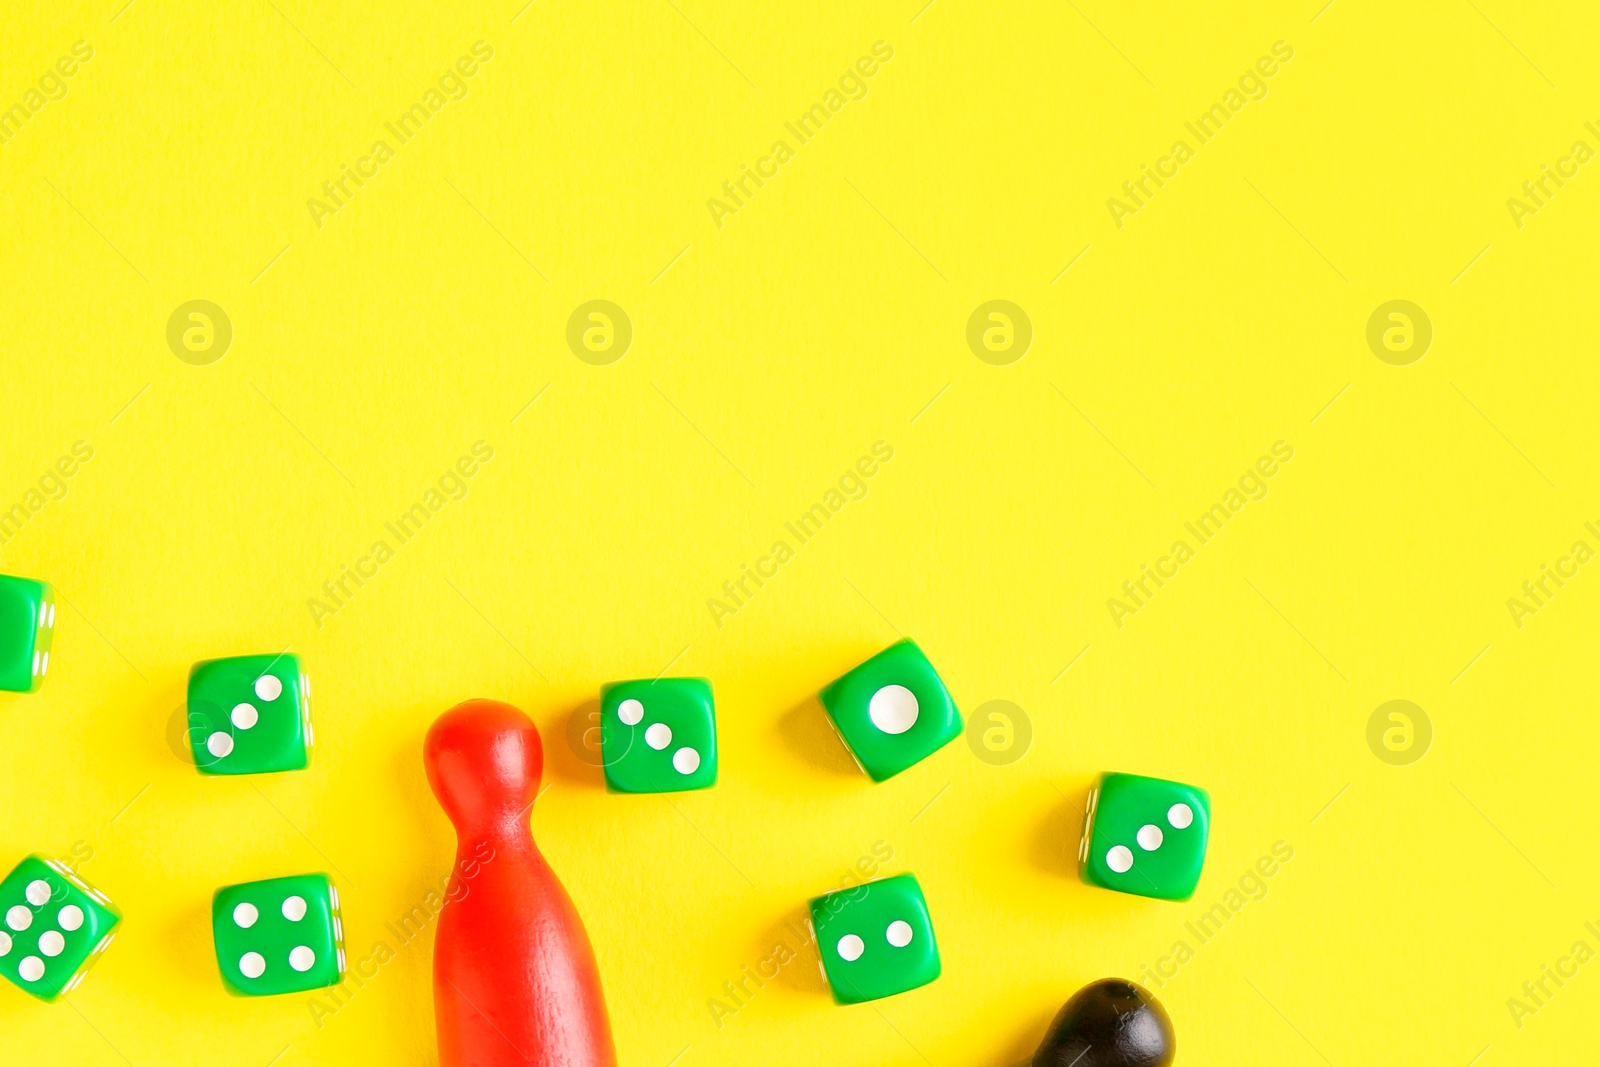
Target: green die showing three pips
[(892, 711), (250, 714), (658, 736), (280, 935), (1145, 836), (876, 939), (55, 926), (27, 623)]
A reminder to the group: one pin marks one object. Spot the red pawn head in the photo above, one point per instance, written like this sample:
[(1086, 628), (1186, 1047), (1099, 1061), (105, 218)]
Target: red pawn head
[(484, 761), (514, 977)]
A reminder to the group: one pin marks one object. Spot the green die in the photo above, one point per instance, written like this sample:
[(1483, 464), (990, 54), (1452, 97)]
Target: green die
[(281, 935), (250, 714), (658, 736), (892, 711), (876, 939), (27, 621), (1145, 836), (55, 927)]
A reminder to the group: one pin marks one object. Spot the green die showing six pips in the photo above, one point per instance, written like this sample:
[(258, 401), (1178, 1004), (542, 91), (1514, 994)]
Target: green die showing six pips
[(54, 927), (658, 736), (892, 711), (281, 935), (27, 623), (876, 940), (1145, 836), (250, 714)]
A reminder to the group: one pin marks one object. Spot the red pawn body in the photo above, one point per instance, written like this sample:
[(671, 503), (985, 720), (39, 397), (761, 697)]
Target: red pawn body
[(514, 977)]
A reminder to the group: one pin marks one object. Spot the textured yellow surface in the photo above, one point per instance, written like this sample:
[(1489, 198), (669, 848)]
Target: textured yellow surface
[(778, 335)]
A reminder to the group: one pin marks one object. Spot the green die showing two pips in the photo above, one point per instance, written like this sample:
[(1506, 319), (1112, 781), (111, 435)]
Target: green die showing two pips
[(658, 736), (1145, 836), (55, 926), (892, 711), (281, 935), (250, 714), (27, 623), (876, 939)]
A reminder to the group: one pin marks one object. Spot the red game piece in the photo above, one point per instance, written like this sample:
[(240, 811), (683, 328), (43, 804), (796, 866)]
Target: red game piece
[(514, 977)]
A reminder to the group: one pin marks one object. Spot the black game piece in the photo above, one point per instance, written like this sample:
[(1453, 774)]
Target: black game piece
[(1109, 1023)]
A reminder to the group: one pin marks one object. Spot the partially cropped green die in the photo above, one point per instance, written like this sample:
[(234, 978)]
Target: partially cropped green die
[(281, 935), (1145, 836), (27, 621), (55, 927), (658, 736), (876, 939), (892, 711), (250, 714)]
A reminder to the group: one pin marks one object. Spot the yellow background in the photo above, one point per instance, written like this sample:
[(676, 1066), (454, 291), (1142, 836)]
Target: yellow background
[(768, 355)]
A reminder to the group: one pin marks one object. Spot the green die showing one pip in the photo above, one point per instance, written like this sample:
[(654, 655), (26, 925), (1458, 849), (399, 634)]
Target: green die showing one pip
[(892, 711), (250, 714), (55, 927), (658, 736), (876, 939), (281, 935), (27, 621), (1145, 836)]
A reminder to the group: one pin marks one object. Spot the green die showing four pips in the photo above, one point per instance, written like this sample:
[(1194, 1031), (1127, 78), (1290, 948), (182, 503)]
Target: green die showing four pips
[(1145, 836), (892, 711), (27, 622), (250, 714), (55, 926), (876, 939), (658, 736), (281, 935)]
